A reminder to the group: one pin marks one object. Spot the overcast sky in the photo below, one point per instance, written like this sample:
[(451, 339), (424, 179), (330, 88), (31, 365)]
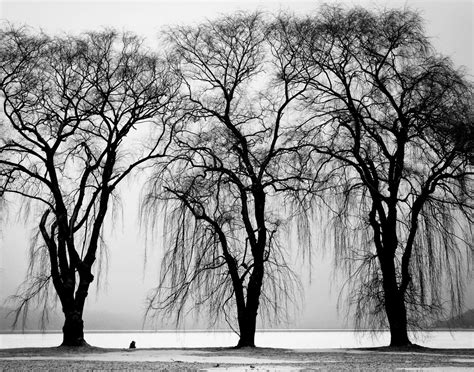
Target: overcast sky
[(449, 23)]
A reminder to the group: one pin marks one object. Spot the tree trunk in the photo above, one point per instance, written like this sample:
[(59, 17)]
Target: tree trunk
[(397, 319), (73, 329), (247, 331), (394, 304), (248, 317)]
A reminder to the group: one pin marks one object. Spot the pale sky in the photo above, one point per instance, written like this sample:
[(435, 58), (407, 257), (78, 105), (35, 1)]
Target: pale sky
[(449, 23)]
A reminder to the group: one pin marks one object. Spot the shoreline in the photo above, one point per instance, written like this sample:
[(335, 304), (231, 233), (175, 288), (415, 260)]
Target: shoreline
[(224, 358)]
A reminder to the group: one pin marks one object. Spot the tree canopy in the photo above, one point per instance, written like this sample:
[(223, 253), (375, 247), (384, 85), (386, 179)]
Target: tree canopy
[(227, 174), (69, 105), (393, 126)]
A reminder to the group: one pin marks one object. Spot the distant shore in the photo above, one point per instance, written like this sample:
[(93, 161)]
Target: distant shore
[(215, 359), (279, 339)]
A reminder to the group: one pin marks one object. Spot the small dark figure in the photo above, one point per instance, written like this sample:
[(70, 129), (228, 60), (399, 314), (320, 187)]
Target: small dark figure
[(132, 345)]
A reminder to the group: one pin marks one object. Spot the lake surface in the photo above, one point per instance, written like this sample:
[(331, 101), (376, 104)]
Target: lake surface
[(294, 339)]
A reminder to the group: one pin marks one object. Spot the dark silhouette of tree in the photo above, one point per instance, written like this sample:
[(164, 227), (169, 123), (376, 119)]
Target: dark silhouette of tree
[(227, 175), (69, 106), (393, 122)]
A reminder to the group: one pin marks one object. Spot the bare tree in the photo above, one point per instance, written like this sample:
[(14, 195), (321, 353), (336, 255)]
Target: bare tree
[(69, 106), (227, 175), (393, 122)]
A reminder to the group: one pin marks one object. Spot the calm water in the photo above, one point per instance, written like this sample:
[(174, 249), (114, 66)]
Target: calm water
[(295, 339)]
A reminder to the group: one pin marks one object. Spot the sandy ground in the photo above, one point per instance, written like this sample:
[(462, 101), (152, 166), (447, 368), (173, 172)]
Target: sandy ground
[(225, 359)]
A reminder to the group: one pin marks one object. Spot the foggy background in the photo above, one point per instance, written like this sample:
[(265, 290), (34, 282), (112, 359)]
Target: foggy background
[(131, 263)]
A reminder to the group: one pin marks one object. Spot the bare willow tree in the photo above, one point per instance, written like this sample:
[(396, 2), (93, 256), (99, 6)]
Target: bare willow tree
[(394, 122), (69, 106), (226, 177)]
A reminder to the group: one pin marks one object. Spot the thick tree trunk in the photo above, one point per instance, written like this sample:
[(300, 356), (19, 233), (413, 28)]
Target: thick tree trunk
[(394, 304), (248, 317), (73, 307), (73, 329), (247, 331), (397, 319)]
